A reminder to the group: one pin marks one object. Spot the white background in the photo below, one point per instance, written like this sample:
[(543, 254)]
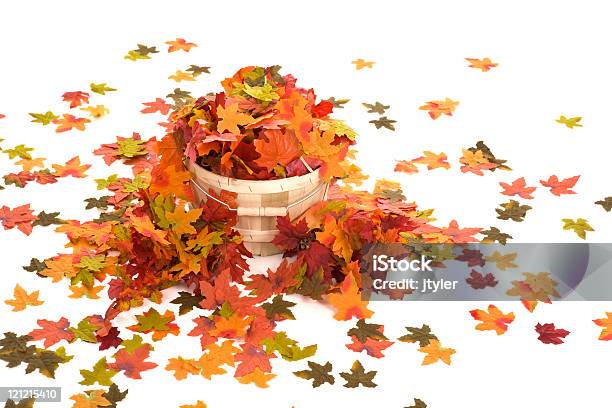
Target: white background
[(553, 59)]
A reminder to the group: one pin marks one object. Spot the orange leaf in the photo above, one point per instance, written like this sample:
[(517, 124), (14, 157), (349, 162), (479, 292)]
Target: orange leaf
[(436, 352), (606, 333), (69, 122), (484, 64), (281, 148), (182, 367), (180, 44), (492, 319), (257, 377), (230, 118), (72, 168), (90, 399), (348, 302), (439, 107), (22, 299)]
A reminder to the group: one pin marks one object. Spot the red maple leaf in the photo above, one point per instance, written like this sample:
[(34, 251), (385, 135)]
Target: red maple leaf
[(132, 363), (275, 282), (203, 326), (460, 235), (322, 108), (20, 179), (158, 105), (76, 98), (518, 187), (374, 348), (291, 237), (250, 358), (111, 339), (52, 332), (20, 217), (549, 334), (560, 187), (477, 281), (473, 257)]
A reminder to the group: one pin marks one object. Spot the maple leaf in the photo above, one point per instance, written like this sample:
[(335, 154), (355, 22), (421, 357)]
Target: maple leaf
[(180, 45), (153, 321), (158, 105), (197, 70), (43, 118), (101, 89), (114, 395), (52, 332), (570, 122), (25, 402), (72, 168), (90, 399), (280, 148), (560, 187), (435, 352), (110, 340), (250, 358), (22, 299), (278, 309), (181, 220), (477, 281), (580, 226), (440, 107), (405, 166), (503, 261), (606, 333), (376, 108), (484, 64), (96, 111), (549, 334), (20, 217), (76, 98), (348, 302), (383, 121), (337, 103), (518, 187), (494, 234), (132, 363), (320, 374), (69, 122), (418, 404), (512, 210), (422, 335), (363, 331), (432, 160), (29, 164), (100, 374), (187, 301), (358, 376), (492, 319), (230, 118), (373, 347), (21, 151), (182, 367), (335, 237), (257, 377), (606, 203), (180, 76), (360, 63)]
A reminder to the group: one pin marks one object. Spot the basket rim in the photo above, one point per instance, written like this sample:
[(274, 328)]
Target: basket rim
[(284, 184)]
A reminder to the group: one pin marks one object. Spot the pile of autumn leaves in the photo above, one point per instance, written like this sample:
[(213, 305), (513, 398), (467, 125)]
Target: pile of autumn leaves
[(263, 127)]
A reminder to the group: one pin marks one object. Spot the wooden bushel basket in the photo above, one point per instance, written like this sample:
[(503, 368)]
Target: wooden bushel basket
[(259, 202)]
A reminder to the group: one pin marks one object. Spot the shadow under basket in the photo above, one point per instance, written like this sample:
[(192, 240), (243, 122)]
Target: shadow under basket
[(259, 202)]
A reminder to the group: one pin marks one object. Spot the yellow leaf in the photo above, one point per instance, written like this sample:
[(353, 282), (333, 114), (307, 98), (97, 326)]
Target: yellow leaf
[(23, 299)]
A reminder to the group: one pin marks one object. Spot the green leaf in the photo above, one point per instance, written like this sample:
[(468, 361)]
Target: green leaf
[(100, 374), (43, 118), (101, 88)]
